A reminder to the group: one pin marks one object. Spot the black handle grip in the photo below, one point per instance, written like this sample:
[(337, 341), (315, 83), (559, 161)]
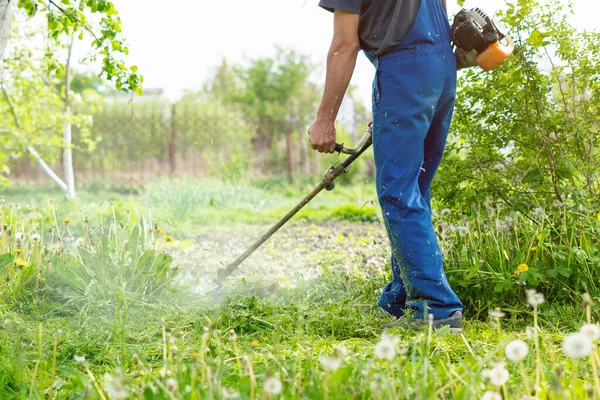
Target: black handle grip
[(339, 147)]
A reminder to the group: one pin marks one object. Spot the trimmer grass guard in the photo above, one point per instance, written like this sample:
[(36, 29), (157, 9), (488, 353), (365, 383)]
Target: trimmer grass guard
[(327, 183)]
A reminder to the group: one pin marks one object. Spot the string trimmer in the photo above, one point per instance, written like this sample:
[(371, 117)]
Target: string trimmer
[(327, 183)]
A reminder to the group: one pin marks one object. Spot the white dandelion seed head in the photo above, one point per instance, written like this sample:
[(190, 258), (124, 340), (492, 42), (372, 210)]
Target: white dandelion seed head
[(79, 242), (232, 335), (374, 386), (462, 231), (496, 314), (36, 237), (491, 396), (341, 350), (446, 211), (187, 389), (498, 375), (114, 387), (272, 385), (19, 235), (229, 393), (79, 359), (534, 298), (538, 212), (530, 332), (171, 384), (330, 363), (577, 345), (592, 331), (385, 349), (516, 350)]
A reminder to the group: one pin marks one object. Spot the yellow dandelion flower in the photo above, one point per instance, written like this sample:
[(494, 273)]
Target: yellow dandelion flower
[(168, 238), (254, 343), (19, 262), (18, 251), (533, 249), (66, 220), (158, 230), (523, 268)]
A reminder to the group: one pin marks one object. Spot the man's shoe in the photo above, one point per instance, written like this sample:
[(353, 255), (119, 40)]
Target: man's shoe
[(454, 321)]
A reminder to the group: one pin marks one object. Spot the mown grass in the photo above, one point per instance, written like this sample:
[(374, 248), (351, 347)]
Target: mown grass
[(105, 317)]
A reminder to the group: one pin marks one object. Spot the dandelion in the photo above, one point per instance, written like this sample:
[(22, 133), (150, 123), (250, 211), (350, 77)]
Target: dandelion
[(158, 230), (529, 332), (496, 314), (113, 385), (533, 249), (491, 396), (66, 221), (341, 350), (232, 335), (36, 237), (523, 268), (446, 211), (516, 274), (534, 298), (168, 239), (254, 343), (272, 386), (19, 235), (374, 386), (577, 345), (330, 363), (18, 251), (79, 359), (229, 393), (497, 376), (587, 300), (385, 349), (516, 350), (79, 242), (592, 331), (19, 262), (171, 384)]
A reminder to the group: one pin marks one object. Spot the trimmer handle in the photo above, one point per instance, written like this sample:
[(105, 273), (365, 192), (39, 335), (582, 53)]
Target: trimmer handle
[(339, 148)]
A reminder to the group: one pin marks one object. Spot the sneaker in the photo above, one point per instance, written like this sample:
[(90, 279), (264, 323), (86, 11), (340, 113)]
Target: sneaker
[(454, 321)]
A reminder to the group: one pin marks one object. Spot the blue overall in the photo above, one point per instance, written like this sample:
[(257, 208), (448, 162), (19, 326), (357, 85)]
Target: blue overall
[(413, 100)]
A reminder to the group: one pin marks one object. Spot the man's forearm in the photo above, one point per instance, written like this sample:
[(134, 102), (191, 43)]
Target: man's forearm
[(341, 61)]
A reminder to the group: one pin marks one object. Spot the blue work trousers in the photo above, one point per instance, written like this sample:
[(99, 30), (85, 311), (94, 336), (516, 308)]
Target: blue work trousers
[(413, 100)]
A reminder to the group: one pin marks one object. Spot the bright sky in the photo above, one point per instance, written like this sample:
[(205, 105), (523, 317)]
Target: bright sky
[(176, 46)]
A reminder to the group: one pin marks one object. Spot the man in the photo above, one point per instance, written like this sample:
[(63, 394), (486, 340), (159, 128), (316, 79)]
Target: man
[(408, 42)]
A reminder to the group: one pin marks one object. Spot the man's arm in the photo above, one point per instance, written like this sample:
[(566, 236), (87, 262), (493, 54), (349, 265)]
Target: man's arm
[(341, 61)]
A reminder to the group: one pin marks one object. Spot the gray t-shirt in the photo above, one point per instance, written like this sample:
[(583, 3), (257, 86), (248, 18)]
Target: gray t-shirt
[(383, 23)]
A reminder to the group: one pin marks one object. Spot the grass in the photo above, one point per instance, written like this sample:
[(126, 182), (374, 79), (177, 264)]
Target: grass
[(107, 317)]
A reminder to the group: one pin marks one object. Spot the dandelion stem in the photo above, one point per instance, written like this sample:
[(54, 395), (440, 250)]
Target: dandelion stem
[(252, 377), (536, 339), (525, 380), (93, 379), (595, 371), (53, 370)]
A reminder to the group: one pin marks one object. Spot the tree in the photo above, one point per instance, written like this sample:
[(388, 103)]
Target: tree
[(7, 9), (277, 96), (65, 22)]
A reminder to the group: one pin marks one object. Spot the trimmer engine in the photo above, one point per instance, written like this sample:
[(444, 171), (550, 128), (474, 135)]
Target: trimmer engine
[(473, 31)]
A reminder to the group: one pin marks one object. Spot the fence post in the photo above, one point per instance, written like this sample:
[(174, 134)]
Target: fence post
[(290, 151), (172, 147)]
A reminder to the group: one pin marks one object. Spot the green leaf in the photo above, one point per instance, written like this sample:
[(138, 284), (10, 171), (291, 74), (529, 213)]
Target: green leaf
[(6, 259)]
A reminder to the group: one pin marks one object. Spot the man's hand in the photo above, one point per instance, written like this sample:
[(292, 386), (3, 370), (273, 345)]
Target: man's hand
[(322, 136)]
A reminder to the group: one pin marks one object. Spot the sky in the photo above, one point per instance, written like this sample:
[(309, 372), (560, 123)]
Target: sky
[(177, 46)]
